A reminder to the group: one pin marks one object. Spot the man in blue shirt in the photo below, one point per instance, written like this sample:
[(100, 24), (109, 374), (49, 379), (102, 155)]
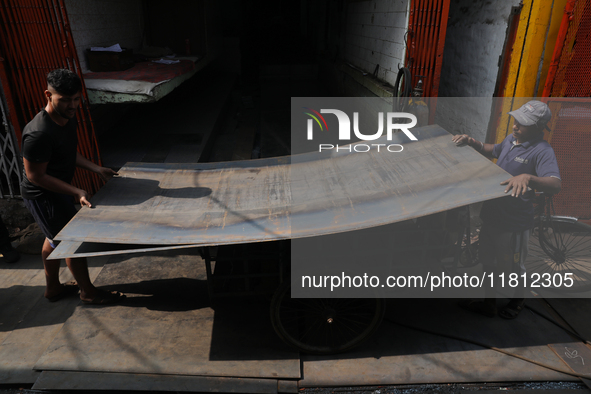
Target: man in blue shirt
[(506, 222)]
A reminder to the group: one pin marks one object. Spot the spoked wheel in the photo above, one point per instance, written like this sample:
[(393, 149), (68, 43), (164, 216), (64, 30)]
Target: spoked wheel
[(558, 247), (324, 325)]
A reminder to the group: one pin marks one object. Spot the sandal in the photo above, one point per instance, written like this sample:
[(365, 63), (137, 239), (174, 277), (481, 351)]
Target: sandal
[(479, 307), (69, 289), (512, 310), (104, 297)]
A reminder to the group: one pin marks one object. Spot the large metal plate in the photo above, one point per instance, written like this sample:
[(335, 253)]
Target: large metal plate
[(291, 197), (574, 354), (28, 322), (402, 353), (62, 380), (167, 325)]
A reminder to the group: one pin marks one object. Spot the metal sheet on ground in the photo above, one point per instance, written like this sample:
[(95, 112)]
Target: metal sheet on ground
[(574, 354), (28, 322), (530, 391), (575, 311), (26, 343), (260, 200), (403, 355), (146, 382), (167, 326)]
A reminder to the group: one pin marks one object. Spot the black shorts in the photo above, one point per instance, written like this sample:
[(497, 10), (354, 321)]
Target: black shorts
[(51, 212)]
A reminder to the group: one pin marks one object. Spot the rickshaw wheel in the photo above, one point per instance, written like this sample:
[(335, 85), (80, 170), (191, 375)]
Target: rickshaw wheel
[(324, 325)]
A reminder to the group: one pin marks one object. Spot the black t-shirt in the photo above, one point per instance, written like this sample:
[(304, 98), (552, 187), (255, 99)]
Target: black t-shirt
[(44, 141)]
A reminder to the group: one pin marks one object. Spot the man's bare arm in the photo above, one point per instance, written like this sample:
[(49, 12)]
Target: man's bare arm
[(37, 174), (104, 172), (464, 139)]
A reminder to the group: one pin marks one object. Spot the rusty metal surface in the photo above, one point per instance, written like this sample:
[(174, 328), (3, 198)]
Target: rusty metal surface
[(403, 354), (67, 249), (576, 355), (50, 380), (28, 323), (291, 197), (574, 313), (167, 325)]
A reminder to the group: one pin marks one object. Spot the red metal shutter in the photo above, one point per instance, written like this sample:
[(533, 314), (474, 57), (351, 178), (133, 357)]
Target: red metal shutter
[(35, 38), (427, 26)]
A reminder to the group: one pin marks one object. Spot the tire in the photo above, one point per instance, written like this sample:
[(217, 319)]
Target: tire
[(324, 325), (561, 246), (402, 89)]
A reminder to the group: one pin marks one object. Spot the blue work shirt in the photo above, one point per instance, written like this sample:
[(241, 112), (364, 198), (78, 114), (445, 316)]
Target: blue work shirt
[(534, 157)]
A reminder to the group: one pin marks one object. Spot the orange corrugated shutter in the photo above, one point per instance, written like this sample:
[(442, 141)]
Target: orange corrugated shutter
[(571, 128), (35, 38), (426, 39)]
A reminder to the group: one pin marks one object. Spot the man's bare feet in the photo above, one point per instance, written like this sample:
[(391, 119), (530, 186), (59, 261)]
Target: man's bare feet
[(63, 291), (103, 297)]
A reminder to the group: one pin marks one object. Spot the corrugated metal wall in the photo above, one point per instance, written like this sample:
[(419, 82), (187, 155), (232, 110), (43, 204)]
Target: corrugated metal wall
[(571, 128), (571, 140), (35, 38), (571, 78), (426, 39)]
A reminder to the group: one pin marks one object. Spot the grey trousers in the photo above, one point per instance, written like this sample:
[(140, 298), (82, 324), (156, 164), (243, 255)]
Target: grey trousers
[(503, 252)]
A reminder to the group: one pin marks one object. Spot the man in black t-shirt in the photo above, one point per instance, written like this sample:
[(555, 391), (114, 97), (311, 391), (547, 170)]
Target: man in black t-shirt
[(50, 159)]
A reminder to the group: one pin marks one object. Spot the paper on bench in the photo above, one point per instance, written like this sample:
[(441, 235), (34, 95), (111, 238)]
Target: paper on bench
[(112, 48)]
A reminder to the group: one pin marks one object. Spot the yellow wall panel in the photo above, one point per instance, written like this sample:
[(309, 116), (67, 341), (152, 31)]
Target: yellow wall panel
[(538, 24)]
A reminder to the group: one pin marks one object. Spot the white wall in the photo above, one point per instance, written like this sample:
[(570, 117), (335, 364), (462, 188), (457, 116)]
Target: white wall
[(104, 23), (475, 36), (476, 33), (375, 35)]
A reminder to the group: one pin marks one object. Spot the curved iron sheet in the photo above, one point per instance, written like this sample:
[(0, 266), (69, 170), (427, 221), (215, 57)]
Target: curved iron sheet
[(289, 197)]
